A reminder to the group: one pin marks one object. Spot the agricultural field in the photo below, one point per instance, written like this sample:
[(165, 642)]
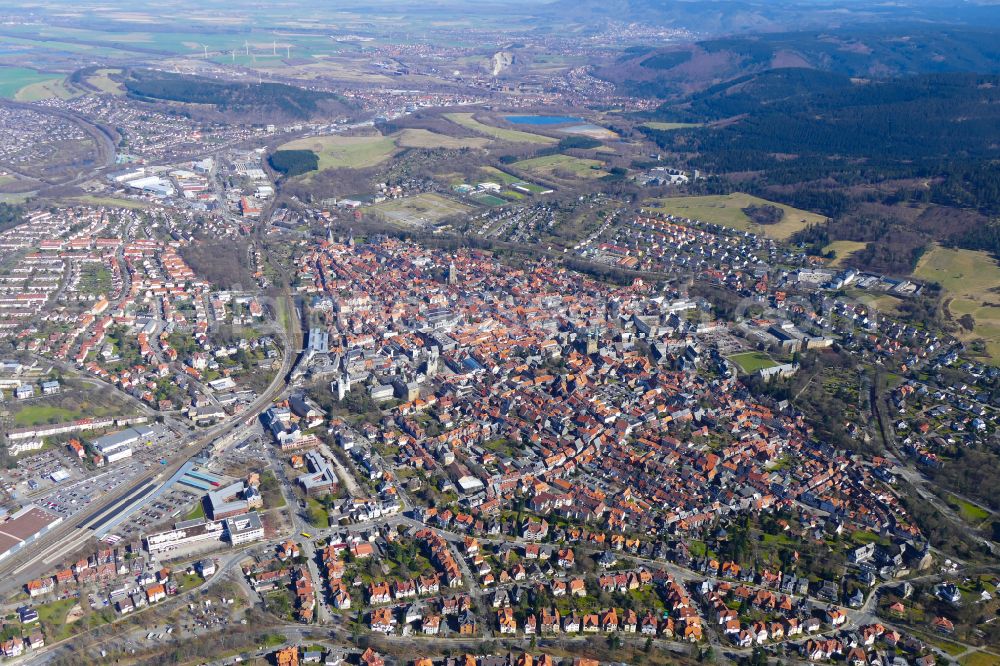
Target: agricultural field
[(48, 89), (15, 197), (421, 138), (971, 281), (13, 79), (751, 362), (361, 152), (350, 152), (843, 249), (726, 210), (666, 127), (420, 210), (467, 121), (553, 165)]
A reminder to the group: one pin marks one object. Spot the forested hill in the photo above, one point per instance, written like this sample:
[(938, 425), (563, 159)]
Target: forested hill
[(726, 17), (10, 216), (864, 52), (252, 101), (781, 117), (854, 148)]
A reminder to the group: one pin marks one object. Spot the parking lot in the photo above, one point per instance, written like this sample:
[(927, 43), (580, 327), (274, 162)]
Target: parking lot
[(62, 483)]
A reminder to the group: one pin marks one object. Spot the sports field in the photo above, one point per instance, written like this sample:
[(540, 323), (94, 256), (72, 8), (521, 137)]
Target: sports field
[(971, 281), (726, 210), (467, 121), (420, 210), (753, 361), (552, 165)]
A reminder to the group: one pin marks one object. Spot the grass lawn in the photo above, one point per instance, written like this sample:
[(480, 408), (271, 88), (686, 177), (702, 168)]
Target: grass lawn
[(421, 138), (549, 164), (670, 126), (726, 210), (953, 649), (697, 548), (273, 640), (56, 611), (862, 537), (197, 512), (95, 279), (753, 361), (969, 511), (38, 414), (52, 617), (421, 209), (968, 278), (351, 152), (72, 403), (101, 81), (884, 303), (111, 202), (317, 514), (185, 582), (980, 659), (495, 174), (12, 79), (843, 249), (467, 121)]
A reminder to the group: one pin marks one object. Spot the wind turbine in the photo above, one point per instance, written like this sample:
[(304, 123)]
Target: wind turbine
[(205, 46), (234, 55), (289, 55), (246, 45), (274, 47)]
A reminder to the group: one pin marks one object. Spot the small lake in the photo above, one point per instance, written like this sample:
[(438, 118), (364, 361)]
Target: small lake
[(542, 120)]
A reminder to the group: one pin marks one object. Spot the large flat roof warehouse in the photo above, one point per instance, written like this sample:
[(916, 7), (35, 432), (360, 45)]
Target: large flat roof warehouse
[(24, 527), (121, 439)]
